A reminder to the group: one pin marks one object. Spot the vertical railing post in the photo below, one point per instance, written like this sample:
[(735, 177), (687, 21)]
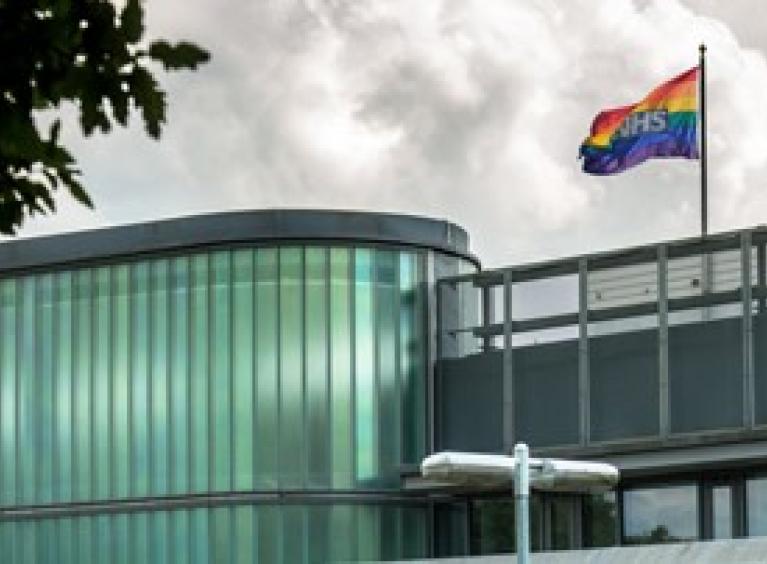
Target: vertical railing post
[(583, 352), (663, 389), (748, 330), (508, 367), (522, 502)]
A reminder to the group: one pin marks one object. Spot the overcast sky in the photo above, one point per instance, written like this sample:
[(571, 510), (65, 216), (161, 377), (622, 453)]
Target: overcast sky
[(471, 110)]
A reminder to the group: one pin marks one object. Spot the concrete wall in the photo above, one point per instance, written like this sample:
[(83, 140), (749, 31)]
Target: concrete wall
[(740, 551)]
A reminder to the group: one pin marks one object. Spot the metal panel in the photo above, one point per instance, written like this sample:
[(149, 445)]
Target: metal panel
[(663, 402), (583, 352)]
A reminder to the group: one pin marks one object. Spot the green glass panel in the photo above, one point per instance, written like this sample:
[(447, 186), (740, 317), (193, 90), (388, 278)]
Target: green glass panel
[(291, 424), (221, 549), (27, 542), (368, 532), (387, 366), (270, 534), (120, 385), (139, 537), (317, 398), (221, 376), (179, 375), (122, 544), (411, 367), (415, 539), (343, 534), (65, 535), (267, 434), (82, 380), (199, 377), (8, 392), (139, 391), (318, 534), (180, 542), (27, 393), (45, 398), (294, 535), (83, 540), (103, 540), (243, 362), (62, 451), (160, 381), (200, 541), (244, 535), (364, 355), (102, 384), (342, 433)]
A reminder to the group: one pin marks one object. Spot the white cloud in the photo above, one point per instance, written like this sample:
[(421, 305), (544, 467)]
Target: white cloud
[(469, 109)]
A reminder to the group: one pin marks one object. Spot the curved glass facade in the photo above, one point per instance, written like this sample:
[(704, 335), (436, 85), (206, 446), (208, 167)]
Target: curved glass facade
[(273, 369)]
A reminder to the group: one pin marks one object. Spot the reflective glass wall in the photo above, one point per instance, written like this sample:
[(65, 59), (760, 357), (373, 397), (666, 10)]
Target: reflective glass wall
[(293, 368)]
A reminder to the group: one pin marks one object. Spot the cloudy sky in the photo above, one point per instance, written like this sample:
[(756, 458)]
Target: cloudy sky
[(471, 110)]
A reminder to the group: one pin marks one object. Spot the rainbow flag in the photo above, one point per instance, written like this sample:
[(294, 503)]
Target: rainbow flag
[(664, 124)]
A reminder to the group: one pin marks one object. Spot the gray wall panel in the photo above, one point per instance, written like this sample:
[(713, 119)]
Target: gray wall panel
[(624, 385), (471, 391), (705, 375)]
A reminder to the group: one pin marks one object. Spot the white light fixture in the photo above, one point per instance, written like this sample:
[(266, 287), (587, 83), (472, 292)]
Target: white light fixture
[(492, 470)]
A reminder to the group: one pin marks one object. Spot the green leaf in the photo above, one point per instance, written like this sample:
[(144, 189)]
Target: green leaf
[(182, 55), (132, 21)]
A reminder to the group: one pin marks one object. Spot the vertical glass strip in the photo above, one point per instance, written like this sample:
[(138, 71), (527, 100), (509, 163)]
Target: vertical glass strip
[(103, 541), (317, 422), (270, 534), (294, 541), (8, 393), (179, 375), (221, 376), (122, 544), (221, 535), (102, 388), (365, 415), (342, 433), (199, 408), (387, 384), (140, 391), (159, 537), (120, 385), (64, 388), (267, 377), (83, 346), (200, 536), (181, 540), (244, 541), (411, 337), (27, 393), (243, 378), (160, 377), (291, 421), (45, 398)]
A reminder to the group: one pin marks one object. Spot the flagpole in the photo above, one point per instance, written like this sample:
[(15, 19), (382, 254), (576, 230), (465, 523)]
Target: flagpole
[(703, 152)]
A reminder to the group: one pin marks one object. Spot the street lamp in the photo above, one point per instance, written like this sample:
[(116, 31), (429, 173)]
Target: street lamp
[(493, 470)]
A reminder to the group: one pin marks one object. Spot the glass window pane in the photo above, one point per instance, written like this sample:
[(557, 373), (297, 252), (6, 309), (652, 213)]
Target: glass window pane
[(139, 389), (220, 376), (159, 421), (340, 371), (267, 438), (242, 359), (179, 374), (292, 443), (721, 506), (756, 506), (364, 376), (200, 369), (660, 514), (599, 520), (317, 374)]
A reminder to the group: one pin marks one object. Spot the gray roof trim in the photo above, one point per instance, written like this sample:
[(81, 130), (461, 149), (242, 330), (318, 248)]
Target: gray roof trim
[(232, 229)]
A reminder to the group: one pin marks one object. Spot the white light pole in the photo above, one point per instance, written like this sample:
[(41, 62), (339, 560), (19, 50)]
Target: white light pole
[(493, 470)]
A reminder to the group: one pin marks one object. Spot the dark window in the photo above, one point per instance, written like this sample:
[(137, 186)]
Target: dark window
[(600, 516)]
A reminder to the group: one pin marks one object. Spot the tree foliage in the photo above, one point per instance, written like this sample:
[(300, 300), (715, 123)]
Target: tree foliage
[(88, 52)]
